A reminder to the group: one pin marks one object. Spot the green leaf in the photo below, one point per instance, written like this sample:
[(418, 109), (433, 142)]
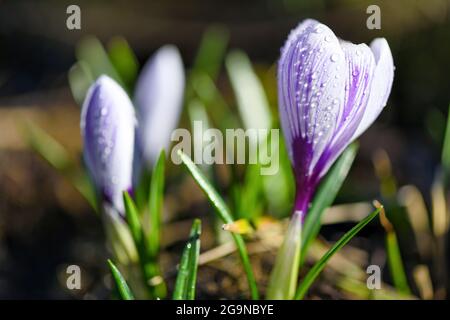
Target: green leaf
[(132, 216), (395, 263), (224, 214), (47, 147), (211, 51), (124, 60), (187, 273), (149, 264), (325, 195), (154, 218), (318, 267), (251, 98), (122, 286), (91, 52), (80, 79), (58, 157), (446, 147)]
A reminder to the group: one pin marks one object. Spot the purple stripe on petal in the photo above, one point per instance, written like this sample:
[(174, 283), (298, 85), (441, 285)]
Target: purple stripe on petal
[(107, 126), (325, 88)]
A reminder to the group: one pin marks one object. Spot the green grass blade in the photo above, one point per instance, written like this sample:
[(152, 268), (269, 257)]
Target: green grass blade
[(133, 221), (318, 267), (91, 51), (156, 197), (187, 273), (395, 264), (58, 157), (224, 214), (325, 195), (80, 79), (47, 147), (446, 147), (250, 95), (211, 51), (122, 286), (124, 61)]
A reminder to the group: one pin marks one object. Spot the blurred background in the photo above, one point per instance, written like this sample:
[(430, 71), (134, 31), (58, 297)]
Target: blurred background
[(46, 225)]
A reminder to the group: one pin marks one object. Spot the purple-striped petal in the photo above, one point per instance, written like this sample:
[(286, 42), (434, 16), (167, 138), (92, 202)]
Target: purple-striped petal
[(358, 74), (381, 86), (311, 92), (107, 126), (330, 91)]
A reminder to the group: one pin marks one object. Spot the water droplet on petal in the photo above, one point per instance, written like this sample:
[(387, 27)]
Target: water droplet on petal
[(318, 29), (334, 57)]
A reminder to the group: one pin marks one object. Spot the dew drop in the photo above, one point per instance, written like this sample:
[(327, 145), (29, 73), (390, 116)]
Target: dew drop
[(334, 57), (327, 38), (318, 29)]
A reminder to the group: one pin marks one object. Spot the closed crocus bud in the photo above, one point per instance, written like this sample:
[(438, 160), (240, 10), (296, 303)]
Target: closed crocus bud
[(330, 91), (108, 128), (159, 98)]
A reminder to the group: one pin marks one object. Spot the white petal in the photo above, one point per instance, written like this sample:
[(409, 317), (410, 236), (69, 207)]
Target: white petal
[(159, 97), (381, 84)]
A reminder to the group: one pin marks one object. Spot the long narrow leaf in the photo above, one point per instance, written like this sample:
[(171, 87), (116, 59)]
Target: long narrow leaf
[(394, 256), (122, 286), (58, 157), (318, 267), (224, 214), (187, 273), (325, 196), (91, 51), (155, 206), (124, 61), (251, 98), (133, 219), (211, 51), (446, 147)]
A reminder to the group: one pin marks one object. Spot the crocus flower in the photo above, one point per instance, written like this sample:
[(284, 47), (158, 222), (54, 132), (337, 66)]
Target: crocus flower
[(158, 99), (108, 126), (330, 91)]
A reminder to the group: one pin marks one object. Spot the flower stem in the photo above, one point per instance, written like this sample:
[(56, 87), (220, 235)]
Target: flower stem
[(283, 279)]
